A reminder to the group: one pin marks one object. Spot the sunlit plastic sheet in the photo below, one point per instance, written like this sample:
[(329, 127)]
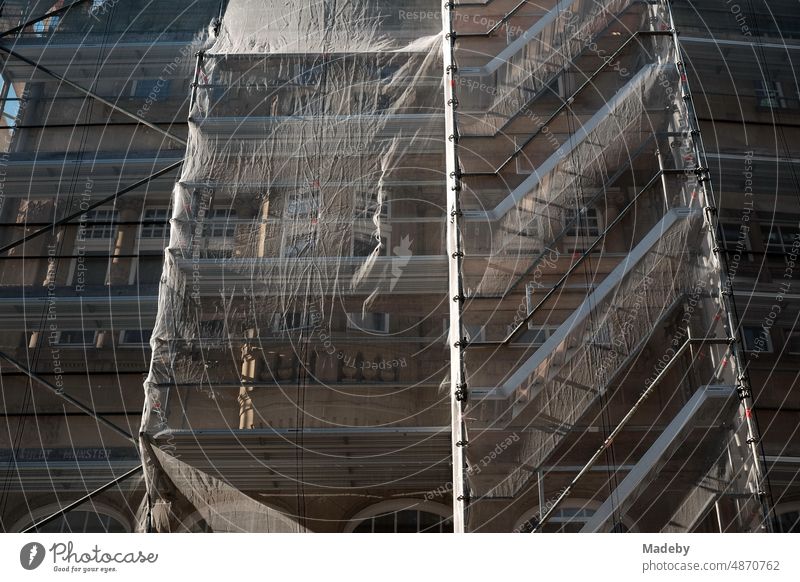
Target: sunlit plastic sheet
[(304, 287)]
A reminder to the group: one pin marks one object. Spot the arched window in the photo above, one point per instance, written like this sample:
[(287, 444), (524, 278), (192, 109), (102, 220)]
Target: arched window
[(403, 516)]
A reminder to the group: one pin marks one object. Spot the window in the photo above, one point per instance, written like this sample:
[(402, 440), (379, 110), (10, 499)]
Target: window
[(10, 103), (221, 223), (535, 335), (372, 322), (91, 269), (387, 72), (789, 522), (582, 222), (793, 342), (565, 520), (42, 27), (769, 94), (779, 238), (211, 329), (733, 234), (569, 518), (601, 336), (307, 73), (524, 165), (405, 521), (291, 320), (76, 337), (104, 229), (158, 219), (531, 228), (366, 206), (403, 516), (756, 339), (135, 337), (560, 87), (735, 238)]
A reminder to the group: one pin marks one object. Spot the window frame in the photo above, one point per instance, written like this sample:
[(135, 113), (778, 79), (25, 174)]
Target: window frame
[(90, 216), (353, 320), (95, 253), (91, 343), (145, 230), (750, 347), (278, 323), (396, 505), (769, 95), (783, 247), (226, 219), (789, 334), (593, 224), (125, 343)]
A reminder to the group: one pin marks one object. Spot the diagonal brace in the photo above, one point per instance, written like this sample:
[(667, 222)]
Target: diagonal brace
[(609, 441), (73, 401), (21, 27), (82, 500)]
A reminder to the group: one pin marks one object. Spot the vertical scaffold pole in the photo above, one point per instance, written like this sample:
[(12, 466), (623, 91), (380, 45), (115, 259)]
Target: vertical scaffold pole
[(455, 254)]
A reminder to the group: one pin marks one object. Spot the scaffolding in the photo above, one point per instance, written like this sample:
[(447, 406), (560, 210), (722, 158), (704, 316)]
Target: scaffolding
[(420, 254), (328, 339)]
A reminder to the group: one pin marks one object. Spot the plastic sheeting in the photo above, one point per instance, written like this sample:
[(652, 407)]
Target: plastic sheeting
[(303, 288)]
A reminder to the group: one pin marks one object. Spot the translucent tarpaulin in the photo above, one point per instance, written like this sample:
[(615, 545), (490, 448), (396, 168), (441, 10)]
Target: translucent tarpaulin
[(303, 290)]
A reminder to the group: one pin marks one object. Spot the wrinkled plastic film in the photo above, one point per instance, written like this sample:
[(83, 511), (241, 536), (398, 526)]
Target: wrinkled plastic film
[(304, 283)]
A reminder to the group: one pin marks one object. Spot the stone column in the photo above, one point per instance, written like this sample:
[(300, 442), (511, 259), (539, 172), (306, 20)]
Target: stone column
[(249, 374)]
